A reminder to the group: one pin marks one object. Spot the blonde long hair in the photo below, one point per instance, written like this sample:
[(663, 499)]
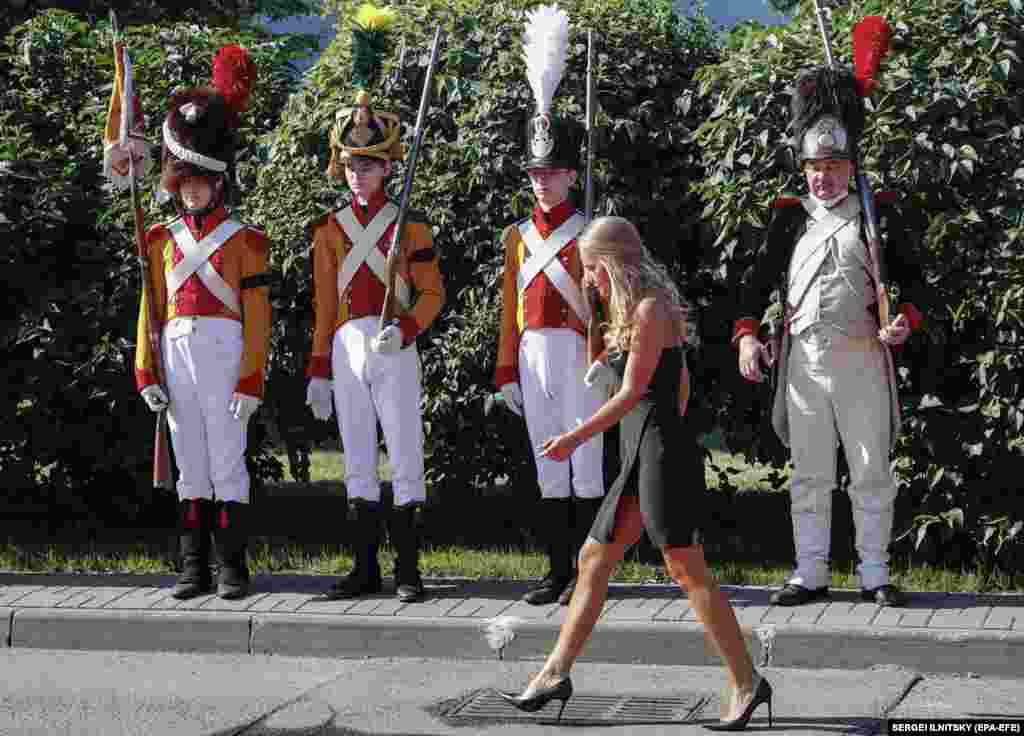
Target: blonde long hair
[(634, 275)]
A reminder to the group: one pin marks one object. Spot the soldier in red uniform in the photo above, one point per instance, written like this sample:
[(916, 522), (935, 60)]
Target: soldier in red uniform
[(542, 351), (373, 375), (210, 285)]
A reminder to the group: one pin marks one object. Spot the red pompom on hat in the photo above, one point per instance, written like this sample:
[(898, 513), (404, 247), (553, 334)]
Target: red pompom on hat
[(872, 40)]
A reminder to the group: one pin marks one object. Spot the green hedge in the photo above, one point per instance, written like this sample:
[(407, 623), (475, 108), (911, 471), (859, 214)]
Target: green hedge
[(946, 133), (471, 185), (689, 138), (74, 431)]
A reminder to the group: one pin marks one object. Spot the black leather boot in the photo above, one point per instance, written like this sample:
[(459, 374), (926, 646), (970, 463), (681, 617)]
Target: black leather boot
[(230, 534), (556, 523), (584, 511), (405, 538), (194, 522), (366, 523)]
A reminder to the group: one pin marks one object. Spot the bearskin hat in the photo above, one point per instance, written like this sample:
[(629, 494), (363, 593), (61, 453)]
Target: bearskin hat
[(551, 141), (200, 130), (362, 130), (826, 114), (827, 108)]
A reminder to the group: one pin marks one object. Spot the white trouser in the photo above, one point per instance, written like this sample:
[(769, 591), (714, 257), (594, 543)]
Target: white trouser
[(202, 361), (369, 386), (552, 363), (838, 385)]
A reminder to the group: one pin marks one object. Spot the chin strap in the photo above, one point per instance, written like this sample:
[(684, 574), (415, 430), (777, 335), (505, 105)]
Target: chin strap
[(200, 213)]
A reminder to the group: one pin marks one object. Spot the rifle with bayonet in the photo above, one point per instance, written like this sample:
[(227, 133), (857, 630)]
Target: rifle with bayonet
[(390, 311)]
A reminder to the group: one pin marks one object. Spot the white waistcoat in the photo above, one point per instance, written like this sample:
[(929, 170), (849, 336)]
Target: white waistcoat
[(829, 280)]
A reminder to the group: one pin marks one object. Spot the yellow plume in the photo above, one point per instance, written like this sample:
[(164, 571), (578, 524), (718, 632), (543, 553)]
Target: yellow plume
[(371, 18)]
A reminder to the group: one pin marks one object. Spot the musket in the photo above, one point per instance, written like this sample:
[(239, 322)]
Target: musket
[(161, 451), (588, 188), (390, 310), (595, 338), (867, 200)]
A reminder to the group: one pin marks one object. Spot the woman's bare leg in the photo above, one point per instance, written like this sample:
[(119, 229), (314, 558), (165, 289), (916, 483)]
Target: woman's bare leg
[(596, 564), (687, 567)]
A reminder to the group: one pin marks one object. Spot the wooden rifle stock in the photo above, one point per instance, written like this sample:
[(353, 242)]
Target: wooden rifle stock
[(390, 309)]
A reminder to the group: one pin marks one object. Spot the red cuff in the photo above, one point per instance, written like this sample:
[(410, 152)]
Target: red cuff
[(319, 367), (251, 385), (746, 326), (914, 317), (410, 329), (144, 378), (506, 374)]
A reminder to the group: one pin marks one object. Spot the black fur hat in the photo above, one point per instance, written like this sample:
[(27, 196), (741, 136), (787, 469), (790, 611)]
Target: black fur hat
[(826, 114)]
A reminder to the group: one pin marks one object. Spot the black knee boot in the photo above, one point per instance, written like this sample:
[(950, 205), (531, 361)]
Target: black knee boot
[(194, 516), (584, 511), (366, 525), (556, 526), (230, 535), (405, 538)]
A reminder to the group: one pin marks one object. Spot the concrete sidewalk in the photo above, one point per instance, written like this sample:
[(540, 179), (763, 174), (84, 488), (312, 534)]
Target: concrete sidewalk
[(649, 624)]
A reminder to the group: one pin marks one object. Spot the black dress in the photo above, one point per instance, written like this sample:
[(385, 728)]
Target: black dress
[(661, 462)]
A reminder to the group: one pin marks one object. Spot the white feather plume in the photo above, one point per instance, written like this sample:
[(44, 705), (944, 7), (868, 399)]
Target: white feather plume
[(499, 632), (545, 49)]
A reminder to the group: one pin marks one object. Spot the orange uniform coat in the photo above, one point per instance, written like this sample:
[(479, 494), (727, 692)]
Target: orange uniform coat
[(364, 297), (244, 255), (542, 304)]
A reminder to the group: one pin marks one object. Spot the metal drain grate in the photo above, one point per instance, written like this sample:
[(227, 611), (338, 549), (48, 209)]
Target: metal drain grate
[(582, 709)]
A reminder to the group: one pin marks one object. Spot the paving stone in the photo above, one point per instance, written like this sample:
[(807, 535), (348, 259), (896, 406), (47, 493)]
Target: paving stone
[(525, 610), (889, 617), (138, 598), (46, 597), (849, 614), (913, 618), (93, 598), (751, 615), (480, 608), (965, 618), (1002, 618), (315, 606), (430, 608), (281, 602), (676, 610), (644, 609), (215, 603), (364, 606), (10, 594), (778, 615), (809, 613)]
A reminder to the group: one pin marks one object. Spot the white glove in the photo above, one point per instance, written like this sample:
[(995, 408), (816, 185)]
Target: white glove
[(319, 399), (389, 340), (243, 406), (154, 397), (513, 396), (601, 376)]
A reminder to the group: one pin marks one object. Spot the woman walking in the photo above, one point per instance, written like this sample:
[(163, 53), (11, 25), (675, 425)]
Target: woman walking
[(661, 484)]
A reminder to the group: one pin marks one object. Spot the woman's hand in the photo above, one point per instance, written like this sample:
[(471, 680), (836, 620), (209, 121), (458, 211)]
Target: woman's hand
[(559, 448)]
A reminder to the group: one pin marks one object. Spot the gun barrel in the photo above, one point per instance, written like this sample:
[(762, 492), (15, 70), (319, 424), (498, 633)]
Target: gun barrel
[(823, 29), (588, 187), (388, 313)]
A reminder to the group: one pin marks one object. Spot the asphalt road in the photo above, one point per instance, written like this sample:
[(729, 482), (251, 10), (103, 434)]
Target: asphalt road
[(112, 693)]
